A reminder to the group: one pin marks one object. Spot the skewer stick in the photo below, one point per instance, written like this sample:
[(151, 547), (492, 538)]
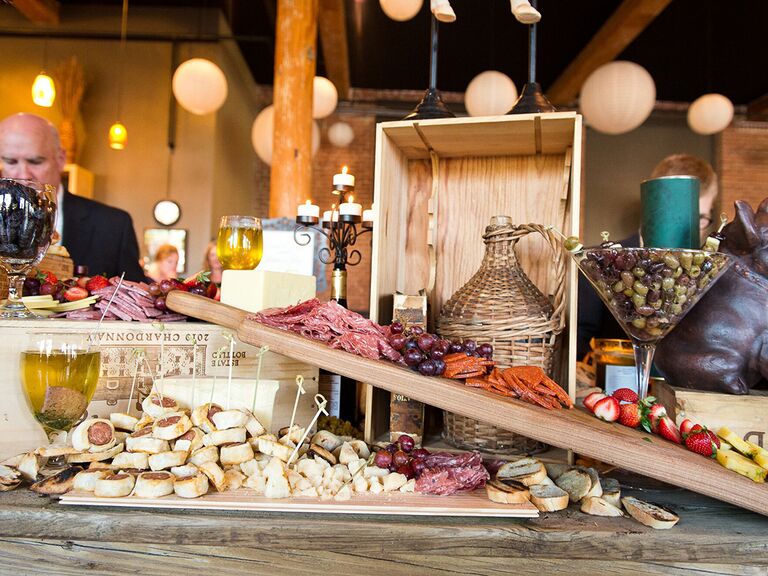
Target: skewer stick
[(194, 365), (263, 350), (231, 339), (213, 388), (106, 309), (139, 357), (321, 403), (299, 391)]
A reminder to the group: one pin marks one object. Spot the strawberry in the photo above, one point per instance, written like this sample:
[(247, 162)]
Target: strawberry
[(47, 277), (630, 415), (668, 430), (655, 413), (625, 395), (82, 281), (75, 293), (96, 283), (686, 426), (607, 409), (592, 399), (701, 442), (714, 438)]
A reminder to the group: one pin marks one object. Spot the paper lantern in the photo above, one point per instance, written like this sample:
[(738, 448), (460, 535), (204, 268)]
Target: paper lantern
[(324, 97), (43, 90), (710, 114), (341, 134), (200, 86), (617, 97), (118, 136), (401, 10), (490, 93), (262, 134)]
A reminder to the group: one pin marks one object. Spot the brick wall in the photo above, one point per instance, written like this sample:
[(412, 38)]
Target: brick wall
[(742, 164)]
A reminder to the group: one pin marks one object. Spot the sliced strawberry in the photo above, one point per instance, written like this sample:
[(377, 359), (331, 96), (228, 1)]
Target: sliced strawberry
[(630, 415), (668, 430), (592, 399), (686, 426), (82, 281), (625, 395), (96, 283), (75, 293), (607, 409), (655, 413), (713, 437), (47, 277), (701, 442)]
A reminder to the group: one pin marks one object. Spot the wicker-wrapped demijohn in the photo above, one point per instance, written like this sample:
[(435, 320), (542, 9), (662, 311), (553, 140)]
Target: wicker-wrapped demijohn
[(502, 306)]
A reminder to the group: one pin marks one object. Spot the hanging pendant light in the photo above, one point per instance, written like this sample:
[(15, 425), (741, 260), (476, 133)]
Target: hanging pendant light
[(43, 90), (118, 134)]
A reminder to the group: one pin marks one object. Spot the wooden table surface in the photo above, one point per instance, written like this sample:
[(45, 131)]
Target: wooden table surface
[(40, 536)]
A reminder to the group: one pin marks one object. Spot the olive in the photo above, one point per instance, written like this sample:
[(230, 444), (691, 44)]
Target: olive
[(668, 283), (684, 280), (619, 286), (671, 261), (638, 271), (695, 271), (638, 300), (706, 266), (653, 296), (639, 323), (627, 278), (698, 258), (656, 267), (686, 259), (645, 310), (640, 288)]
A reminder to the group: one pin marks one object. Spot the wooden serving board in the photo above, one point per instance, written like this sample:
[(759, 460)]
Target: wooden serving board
[(473, 503), (577, 430)]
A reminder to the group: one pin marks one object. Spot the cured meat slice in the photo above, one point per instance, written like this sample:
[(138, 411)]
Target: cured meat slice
[(365, 345), (450, 473)]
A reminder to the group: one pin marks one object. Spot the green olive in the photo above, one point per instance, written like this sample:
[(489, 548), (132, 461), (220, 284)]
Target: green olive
[(686, 259), (680, 290), (618, 287), (681, 299), (678, 271), (640, 288), (671, 261), (675, 309), (698, 258), (639, 323), (629, 292), (655, 331), (695, 271), (638, 300), (637, 271), (668, 283), (627, 278), (656, 305)]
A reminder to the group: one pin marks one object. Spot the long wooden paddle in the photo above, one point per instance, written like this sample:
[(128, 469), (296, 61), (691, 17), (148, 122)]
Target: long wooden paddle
[(573, 429)]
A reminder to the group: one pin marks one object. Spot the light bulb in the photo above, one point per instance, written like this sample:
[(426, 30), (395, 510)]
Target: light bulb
[(118, 136), (43, 90)]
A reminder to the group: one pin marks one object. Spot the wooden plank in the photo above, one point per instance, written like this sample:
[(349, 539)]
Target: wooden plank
[(295, 60), (618, 32), (757, 110), (573, 429), (333, 38), (39, 11)]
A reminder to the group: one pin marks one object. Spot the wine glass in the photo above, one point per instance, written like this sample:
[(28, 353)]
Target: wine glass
[(59, 374), (239, 244), (27, 222), (649, 290)]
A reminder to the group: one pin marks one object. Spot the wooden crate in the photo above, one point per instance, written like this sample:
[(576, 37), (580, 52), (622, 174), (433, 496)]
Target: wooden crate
[(61, 266), (437, 184), (117, 342), (744, 415)]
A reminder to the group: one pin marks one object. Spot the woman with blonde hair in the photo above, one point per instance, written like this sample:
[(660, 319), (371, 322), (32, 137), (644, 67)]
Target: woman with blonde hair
[(165, 262)]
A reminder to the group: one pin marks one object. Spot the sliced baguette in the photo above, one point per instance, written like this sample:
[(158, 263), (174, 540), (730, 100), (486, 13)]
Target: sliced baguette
[(599, 507), (611, 491), (529, 471), (649, 514), (576, 482), (596, 490), (507, 491), (556, 469), (549, 498)]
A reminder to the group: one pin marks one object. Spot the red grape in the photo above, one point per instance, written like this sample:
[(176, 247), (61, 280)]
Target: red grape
[(427, 368), (397, 341), (439, 366), (419, 453), (382, 459), (416, 330), (48, 289), (418, 466), (406, 470), (396, 328), (399, 458), (392, 448), (413, 357), (470, 346), (436, 354), (154, 289), (166, 286), (485, 350), (406, 442), (456, 347), (426, 341), (160, 303)]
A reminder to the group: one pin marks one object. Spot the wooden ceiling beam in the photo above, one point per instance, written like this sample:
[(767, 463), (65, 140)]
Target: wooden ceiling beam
[(332, 23), (758, 109), (618, 32), (39, 11)]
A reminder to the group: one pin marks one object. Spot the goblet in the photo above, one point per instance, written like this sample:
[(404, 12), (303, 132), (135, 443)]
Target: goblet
[(27, 222), (649, 290), (239, 244), (59, 374)]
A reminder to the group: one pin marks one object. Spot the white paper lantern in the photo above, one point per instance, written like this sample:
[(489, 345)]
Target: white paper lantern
[(401, 10), (710, 114), (490, 93), (324, 97), (200, 86), (341, 134), (617, 97), (262, 134)]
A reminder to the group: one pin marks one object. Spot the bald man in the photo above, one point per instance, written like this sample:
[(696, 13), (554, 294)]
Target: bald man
[(96, 235)]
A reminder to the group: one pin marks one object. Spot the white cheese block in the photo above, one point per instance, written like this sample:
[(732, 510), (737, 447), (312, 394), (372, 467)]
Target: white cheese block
[(255, 290)]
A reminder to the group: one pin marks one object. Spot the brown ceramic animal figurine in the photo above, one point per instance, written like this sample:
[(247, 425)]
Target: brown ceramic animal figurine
[(722, 344)]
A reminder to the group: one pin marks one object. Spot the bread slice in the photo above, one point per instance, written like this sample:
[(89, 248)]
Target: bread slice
[(507, 491), (548, 498), (546, 482), (556, 469), (596, 490), (611, 491), (599, 507), (529, 471), (649, 514), (576, 482)]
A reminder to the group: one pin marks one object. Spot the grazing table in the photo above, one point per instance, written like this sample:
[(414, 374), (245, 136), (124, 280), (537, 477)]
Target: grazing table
[(40, 536)]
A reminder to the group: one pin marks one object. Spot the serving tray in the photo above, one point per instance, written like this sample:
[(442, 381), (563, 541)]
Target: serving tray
[(473, 503)]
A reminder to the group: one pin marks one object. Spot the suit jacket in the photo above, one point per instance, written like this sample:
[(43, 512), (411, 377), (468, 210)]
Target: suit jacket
[(100, 237)]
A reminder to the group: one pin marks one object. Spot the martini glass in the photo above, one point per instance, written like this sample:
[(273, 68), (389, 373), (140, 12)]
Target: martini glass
[(649, 290)]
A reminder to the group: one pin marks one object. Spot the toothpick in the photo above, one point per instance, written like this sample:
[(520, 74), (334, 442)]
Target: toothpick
[(139, 356), (106, 309), (299, 391), (194, 365), (213, 387), (321, 403), (263, 350), (231, 339)]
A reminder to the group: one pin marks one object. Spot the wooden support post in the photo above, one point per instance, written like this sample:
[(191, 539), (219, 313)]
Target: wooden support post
[(295, 49), (333, 37)]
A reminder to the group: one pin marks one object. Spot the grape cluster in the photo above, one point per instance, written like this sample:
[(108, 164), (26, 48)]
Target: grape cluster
[(401, 457), (425, 352), (200, 285)]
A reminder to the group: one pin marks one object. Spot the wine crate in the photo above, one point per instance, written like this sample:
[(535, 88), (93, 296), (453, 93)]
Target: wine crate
[(119, 343), (438, 183), (744, 415)]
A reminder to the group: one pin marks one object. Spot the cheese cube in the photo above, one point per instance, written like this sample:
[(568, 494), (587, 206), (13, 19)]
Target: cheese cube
[(360, 484), (394, 481), (256, 290)]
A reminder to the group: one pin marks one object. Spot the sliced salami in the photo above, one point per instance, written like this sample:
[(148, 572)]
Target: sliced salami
[(99, 433)]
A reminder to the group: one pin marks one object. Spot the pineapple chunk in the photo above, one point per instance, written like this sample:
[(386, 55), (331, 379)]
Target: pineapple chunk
[(759, 451), (761, 458), (735, 441), (744, 466)]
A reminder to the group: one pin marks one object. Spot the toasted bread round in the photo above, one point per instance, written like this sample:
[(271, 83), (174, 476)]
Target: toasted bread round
[(529, 471), (649, 514), (548, 498), (507, 491), (611, 491), (599, 507), (576, 482)]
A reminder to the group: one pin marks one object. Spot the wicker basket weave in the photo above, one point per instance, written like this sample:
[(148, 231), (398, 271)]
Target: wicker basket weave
[(502, 306)]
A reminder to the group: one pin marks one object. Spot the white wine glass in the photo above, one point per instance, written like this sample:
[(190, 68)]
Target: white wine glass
[(239, 244)]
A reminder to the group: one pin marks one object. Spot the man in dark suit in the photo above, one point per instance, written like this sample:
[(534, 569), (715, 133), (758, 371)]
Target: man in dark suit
[(96, 235)]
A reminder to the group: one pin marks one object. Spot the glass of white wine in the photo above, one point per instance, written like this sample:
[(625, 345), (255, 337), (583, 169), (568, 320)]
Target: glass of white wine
[(239, 244), (59, 374)]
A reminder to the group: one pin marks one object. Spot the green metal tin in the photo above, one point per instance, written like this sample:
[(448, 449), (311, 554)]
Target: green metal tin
[(670, 212)]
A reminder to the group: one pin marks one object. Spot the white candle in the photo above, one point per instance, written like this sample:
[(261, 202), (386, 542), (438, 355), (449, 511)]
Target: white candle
[(327, 214), (344, 179), (309, 209), (351, 208), (368, 215)]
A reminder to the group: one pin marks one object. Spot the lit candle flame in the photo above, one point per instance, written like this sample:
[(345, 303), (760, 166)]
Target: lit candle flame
[(351, 199), (344, 170), (309, 202)]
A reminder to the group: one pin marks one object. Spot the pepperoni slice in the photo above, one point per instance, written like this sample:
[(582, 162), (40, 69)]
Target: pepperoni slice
[(167, 402), (171, 420), (142, 432), (99, 433), (213, 410), (157, 475), (188, 435)]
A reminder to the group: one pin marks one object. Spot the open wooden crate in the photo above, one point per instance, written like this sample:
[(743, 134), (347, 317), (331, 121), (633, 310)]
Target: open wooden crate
[(437, 184)]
